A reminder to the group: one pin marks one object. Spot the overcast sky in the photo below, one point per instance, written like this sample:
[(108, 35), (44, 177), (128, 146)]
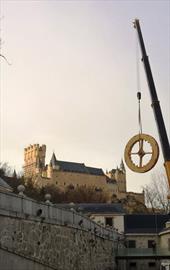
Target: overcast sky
[(72, 83)]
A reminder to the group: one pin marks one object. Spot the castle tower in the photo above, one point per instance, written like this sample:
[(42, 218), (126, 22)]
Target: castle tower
[(53, 166), (34, 160), (120, 176), (122, 166)]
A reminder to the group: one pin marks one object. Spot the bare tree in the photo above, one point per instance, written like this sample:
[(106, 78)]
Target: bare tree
[(157, 191), (5, 169)]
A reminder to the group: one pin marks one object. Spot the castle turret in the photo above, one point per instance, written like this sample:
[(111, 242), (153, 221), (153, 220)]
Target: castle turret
[(121, 177), (53, 166), (122, 166), (119, 174), (53, 161), (49, 171)]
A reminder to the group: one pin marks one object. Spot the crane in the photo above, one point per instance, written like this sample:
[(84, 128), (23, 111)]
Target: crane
[(155, 104)]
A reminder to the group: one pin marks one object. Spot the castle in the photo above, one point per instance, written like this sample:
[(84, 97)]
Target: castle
[(65, 174)]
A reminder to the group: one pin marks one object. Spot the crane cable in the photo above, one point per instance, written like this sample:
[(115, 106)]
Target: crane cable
[(138, 86)]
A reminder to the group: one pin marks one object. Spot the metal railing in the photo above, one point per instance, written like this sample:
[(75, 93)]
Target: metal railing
[(19, 205), (143, 252)]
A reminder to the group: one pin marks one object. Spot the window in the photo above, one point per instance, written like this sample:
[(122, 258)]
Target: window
[(151, 264), (132, 265), (131, 244), (98, 189), (71, 187), (151, 244), (109, 221)]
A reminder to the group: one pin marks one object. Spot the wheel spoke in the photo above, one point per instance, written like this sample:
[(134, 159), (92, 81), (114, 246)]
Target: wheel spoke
[(140, 162), (141, 153)]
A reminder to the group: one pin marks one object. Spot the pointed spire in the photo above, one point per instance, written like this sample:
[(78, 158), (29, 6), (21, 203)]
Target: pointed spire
[(14, 174), (53, 160), (122, 166)]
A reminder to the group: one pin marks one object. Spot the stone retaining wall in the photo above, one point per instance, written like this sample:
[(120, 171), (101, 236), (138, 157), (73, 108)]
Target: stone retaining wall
[(55, 246)]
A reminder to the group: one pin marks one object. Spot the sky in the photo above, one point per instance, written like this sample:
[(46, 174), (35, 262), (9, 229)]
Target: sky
[(72, 81)]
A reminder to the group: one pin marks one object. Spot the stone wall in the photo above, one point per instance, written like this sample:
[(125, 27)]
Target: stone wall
[(62, 180), (59, 247), (53, 237), (11, 261)]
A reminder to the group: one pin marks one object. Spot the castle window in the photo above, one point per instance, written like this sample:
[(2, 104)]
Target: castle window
[(108, 221), (56, 182), (98, 189), (71, 187)]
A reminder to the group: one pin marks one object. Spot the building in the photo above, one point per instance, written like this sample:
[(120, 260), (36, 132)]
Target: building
[(110, 215), (4, 186), (147, 242), (64, 174)]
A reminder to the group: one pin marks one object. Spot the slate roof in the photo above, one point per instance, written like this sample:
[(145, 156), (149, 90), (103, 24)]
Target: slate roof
[(95, 208), (95, 171), (4, 184), (72, 166), (145, 223), (12, 182), (68, 166), (165, 230)]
